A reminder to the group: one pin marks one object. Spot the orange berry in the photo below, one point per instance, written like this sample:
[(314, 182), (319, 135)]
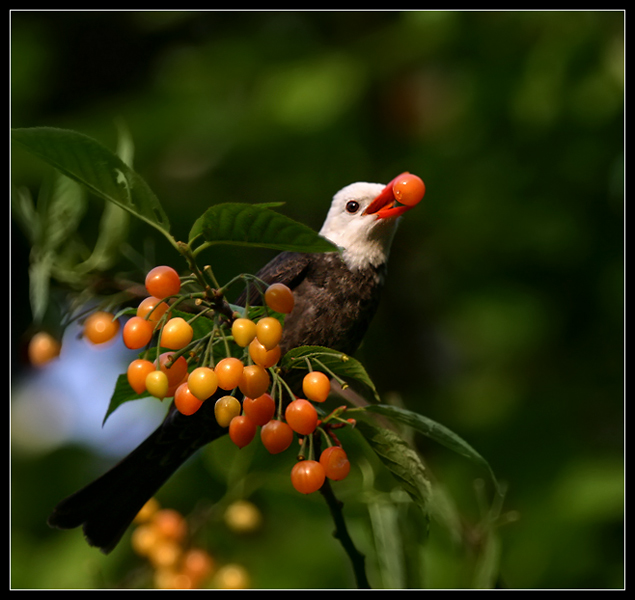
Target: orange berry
[(163, 281), (138, 371), (148, 510), (137, 332), (307, 476), (225, 409), (280, 298), (100, 327), (143, 539), (408, 189), (228, 372), (263, 357), (316, 386), (175, 370), (202, 382), (301, 416), (335, 462), (243, 330), (254, 381), (43, 347), (269, 332), (157, 384), (170, 523), (176, 334), (186, 402), (276, 436), (152, 309), (261, 409), (197, 564)]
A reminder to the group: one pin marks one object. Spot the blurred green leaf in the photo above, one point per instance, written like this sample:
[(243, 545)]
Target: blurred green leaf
[(102, 172), (434, 431), (400, 459)]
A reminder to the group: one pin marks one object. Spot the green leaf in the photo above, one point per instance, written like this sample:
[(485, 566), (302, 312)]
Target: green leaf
[(341, 365), (256, 225), (122, 393), (435, 431), (400, 459), (101, 171)]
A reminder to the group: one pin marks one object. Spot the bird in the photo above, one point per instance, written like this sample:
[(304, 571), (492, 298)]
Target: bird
[(336, 295)]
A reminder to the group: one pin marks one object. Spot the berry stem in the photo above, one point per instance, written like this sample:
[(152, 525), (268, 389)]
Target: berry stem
[(327, 370), (284, 384)]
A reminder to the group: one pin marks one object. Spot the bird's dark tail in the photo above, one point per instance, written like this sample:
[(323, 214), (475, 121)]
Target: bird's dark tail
[(106, 507)]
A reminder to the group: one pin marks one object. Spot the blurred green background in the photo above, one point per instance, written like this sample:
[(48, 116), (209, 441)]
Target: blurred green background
[(503, 316)]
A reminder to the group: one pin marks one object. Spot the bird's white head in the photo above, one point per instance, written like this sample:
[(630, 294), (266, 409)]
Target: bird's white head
[(362, 221)]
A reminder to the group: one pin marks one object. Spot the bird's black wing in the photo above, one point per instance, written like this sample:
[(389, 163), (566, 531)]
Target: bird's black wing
[(289, 268), (106, 507)]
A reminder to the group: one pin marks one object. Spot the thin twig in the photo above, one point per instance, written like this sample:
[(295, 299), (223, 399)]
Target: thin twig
[(341, 533)]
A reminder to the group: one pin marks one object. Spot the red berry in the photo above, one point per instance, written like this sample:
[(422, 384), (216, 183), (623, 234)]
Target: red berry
[(276, 436), (163, 281), (408, 189), (186, 402), (176, 370), (261, 409), (138, 371), (242, 430), (307, 476), (301, 416), (335, 462)]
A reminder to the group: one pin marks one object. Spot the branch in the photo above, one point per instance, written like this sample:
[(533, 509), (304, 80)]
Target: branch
[(341, 533)]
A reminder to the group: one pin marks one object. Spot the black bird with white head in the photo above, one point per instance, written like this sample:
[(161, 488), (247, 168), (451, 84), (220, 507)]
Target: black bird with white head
[(336, 295)]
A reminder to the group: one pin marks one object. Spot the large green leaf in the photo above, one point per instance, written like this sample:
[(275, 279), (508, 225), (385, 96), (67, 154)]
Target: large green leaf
[(256, 225), (435, 431), (101, 171)]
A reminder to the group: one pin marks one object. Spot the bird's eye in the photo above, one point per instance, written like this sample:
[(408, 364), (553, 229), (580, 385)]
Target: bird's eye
[(352, 206)]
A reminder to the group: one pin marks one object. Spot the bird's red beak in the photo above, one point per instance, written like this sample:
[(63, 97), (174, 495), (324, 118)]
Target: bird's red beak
[(385, 205)]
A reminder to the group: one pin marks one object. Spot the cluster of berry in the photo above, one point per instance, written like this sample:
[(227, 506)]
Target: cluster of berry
[(161, 536), (183, 372)]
